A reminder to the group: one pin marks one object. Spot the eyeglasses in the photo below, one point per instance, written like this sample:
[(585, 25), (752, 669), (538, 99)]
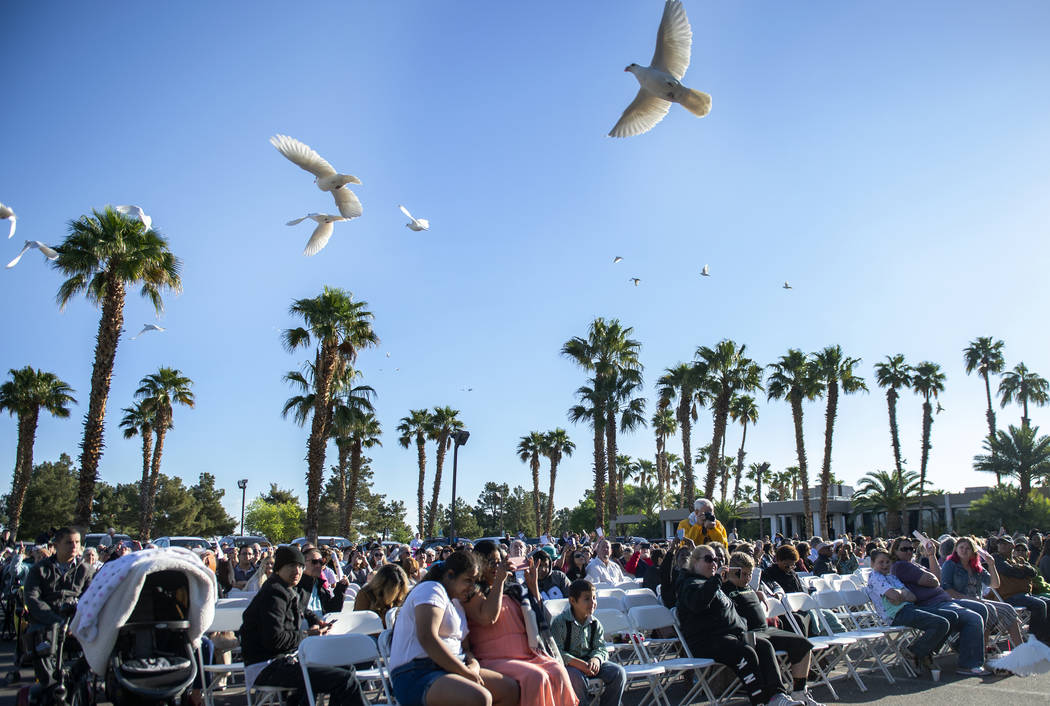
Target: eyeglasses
[(905, 549), (578, 555), (315, 561), (710, 559)]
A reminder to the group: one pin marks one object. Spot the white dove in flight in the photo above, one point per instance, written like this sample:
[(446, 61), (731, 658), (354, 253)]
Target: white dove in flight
[(786, 285), (48, 252), (135, 212), (417, 224), (661, 81), (617, 259), (326, 177), (147, 328), (705, 272), (6, 214), (323, 231), (636, 280)]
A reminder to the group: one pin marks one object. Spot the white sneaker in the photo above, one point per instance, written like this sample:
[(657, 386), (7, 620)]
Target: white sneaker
[(783, 700), (804, 697)]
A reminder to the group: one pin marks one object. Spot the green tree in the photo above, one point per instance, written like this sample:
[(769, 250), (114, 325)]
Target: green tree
[(466, 522), (212, 519), (160, 391), (365, 432), (417, 427), (278, 522), (686, 383), (445, 422), (792, 378), (103, 255), (985, 355), (625, 407), (488, 510), (49, 497), (664, 426), (24, 395), (1023, 386), (894, 374), (1001, 507), (341, 327), (139, 420), (835, 371), (556, 444), (742, 409), (882, 492), (530, 448), (927, 381), (1020, 454)]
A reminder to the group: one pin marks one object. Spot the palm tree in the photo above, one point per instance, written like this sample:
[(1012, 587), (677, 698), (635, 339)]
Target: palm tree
[(556, 444), (591, 410), (731, 511), (895, 374), (530, 448), (418, 426), (986, 356), (664, 425), (759, 472), (728, 371), (351, 408), (792, 378), (161, 390), (742, 409), (1023, 386), (834, 369), (674, 467), (631, 411), (684, 382), (881, 491), (928, 381), (445, 422), (365, 431), (24, 395), (645, 474), (1019, 453), (609, 352), (140, 419), (340, 326), (102, 256)]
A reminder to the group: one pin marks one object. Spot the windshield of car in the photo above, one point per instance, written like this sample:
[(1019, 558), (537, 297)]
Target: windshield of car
[(190, 543)]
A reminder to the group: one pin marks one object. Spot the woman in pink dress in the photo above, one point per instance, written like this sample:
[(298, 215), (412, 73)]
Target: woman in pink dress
[(499, 640)]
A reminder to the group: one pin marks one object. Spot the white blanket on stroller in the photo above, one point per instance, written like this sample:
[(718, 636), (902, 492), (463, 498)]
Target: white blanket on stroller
[(1032, 657), (114, 590)]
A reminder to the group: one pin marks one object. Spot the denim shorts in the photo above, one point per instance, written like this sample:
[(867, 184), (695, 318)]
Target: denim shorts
[(412, 679)]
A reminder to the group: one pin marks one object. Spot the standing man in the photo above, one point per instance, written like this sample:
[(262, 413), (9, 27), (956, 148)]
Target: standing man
[(701, 526)]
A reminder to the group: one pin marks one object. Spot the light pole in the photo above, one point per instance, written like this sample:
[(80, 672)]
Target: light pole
[(461, 437), (243, 485)]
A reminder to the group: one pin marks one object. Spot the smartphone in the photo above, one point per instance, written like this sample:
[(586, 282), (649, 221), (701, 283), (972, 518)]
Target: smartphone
[(681, 533), (517, 563)]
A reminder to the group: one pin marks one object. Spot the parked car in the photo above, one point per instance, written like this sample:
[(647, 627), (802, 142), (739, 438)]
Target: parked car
[(443, 542), (239, 540), (187, 542), (326, 541), (97, 539)]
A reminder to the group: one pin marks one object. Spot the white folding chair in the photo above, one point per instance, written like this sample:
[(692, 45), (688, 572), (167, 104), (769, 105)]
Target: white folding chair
[(870, 643), (556, 606), (365, 622), (615, 622), (837, 649), (228, 618), (641, 596), (672, 654), (865, 618), (612, 598), (340, 651), (391, 616)]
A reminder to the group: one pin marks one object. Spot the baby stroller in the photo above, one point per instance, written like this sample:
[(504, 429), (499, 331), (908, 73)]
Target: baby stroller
[(140, 621)]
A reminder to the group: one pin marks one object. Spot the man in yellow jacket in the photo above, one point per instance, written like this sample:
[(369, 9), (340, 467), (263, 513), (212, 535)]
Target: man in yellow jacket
[(701, 525)]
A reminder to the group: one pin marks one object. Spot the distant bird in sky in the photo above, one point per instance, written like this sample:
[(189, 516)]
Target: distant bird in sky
[(466, 389), (387, 355), (787, 285), (135, 212), (661, 80), (617, 259), (327, 178), (636, 280), (323, 231), (939, 408), (48, 252), (705, 272), (147, 328), (417, 224), (6, 214)]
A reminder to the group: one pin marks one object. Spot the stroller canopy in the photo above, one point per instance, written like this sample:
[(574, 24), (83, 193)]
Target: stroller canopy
[(114, 591)]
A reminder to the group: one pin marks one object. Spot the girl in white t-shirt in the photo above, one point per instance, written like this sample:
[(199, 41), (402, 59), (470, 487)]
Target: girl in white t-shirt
[(430, 659)]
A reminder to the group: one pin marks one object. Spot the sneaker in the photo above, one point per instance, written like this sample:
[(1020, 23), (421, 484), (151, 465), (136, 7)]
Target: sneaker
[(973, 672), (783, 700), (805, 698)]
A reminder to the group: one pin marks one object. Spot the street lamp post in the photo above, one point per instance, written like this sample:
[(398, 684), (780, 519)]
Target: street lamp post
[(243, 485), (461, 437)]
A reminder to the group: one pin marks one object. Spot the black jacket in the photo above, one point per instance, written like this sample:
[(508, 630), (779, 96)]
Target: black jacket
[(704, 610), (824, 565), (47, 588), (271, 621), (789, 581), (329, 603), (556, 585)]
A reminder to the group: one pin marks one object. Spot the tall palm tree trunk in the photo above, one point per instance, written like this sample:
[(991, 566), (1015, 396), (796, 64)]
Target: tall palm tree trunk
[(685, 426), (146, 524), (714, 460), (610, 464), (109, 327), (740, 468), (660, 477), (421, 458), (27, 423), (147, 457), (534, 466), (723, 469), (927, 424), (555, 459), (803, 473), (825, 470), (341, 487), (990, 415), (895, 441), (355, 479), (432, 515), (599, 476), (316, 446)]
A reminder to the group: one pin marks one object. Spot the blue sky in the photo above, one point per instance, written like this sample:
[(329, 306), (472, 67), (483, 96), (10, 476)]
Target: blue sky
[(889, 159)]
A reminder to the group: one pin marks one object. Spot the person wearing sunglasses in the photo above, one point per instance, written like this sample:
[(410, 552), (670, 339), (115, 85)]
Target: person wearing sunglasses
[(318, 594), (713, 629), (965, 616), (580, 559)]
